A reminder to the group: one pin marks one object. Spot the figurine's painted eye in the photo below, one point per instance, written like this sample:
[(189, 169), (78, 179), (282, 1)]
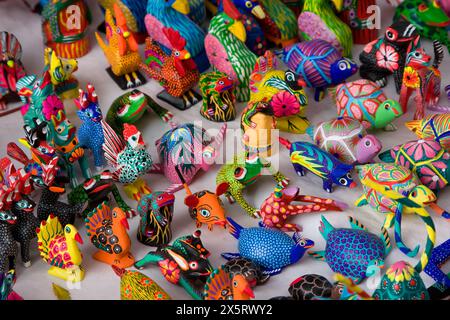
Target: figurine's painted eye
[(235, 283), (423, 7), (67, 229), (159, 198), (248, 4), (302, 243), (290, 76), (240, 173), (177, 53), (118, 31), (134, 138), (349, 176), (417, 55), (221, 82), (376, 263), (342, 66), (387, 106), (226, 22), (368, 143), (193, 265), (414, 194), (205, 213), (114, 214), (343, 181)]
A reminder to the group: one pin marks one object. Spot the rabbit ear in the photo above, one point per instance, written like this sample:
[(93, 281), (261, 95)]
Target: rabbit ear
[(230, 9)]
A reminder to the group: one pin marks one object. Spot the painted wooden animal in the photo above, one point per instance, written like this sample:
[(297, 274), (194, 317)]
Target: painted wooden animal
[(129, 158), (156, 212), (11, 70), (360, 16), (58, 248), (7, 281), (422, 77), (121, 51), (90, 133), (279, 24), (217, 90), (100, 188), (319, 21), (386, 56), (364, 101), (433, 126), (429, 19), (271, 249), (189, 149), (401, 282), (184, 262), (362, 255), (61, 74), (8, 246), (107, 230), (137, 286), (395, 192), (130, 107), (176, 72), (307, 156), (346, 139), (278, 207), (62, 136), (439, 256), (250, 270), (222, 285), (243, 172), (226, 49), (173, 14), (426, 158), (319, 64)]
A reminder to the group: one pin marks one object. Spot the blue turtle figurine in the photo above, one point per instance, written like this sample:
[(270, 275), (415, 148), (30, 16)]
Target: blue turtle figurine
[(271, 249), (353, 252)]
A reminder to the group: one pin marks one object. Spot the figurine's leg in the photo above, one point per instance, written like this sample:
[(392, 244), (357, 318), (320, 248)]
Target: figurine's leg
[(299, 169), (12, 262), (230, 198), (129, 82), (420, 105), (405, 94), (137, 81), (388, 221), (151, 257), (328, 185), (25, 253), (73, 179), (122, 204), (319, 94), (98, 158), (250, 210)]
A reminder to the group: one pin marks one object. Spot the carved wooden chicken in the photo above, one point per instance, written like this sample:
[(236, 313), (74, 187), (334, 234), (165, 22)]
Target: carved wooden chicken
[(177, 73), (121, 51)]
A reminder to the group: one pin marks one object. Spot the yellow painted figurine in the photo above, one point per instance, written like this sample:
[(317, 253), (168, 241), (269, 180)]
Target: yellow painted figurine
[(61, 74)]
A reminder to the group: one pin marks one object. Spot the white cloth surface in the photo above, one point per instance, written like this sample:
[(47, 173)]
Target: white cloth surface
[(100, 281)]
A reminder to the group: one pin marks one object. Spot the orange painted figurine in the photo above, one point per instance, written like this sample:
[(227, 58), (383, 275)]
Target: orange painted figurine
[(177, 73), (222, 285), (121, 51), (107, 230)]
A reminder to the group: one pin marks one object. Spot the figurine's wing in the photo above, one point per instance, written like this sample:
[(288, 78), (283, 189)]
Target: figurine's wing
[(113, 144), (216, 285), (94, 221), (48, 231)]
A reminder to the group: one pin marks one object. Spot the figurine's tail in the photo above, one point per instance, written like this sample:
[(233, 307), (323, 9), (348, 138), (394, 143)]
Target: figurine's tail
[(234, 228), (285, 143), (325, 228)]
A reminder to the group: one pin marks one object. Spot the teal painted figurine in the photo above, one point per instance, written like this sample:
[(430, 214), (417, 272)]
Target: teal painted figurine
[(355, 253), (319, 21), (307, 156)]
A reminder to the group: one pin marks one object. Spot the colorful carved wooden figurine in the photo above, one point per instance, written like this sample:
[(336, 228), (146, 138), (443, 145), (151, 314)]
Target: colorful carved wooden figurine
[(366, 102), (11, 70), (184, 262), (346, 139), (173, 14), (90, 133), (8, 246), (107, 230), (243, 172), (180, 166), (386, 55), (433, 126), (129, 157), (226, 50), (223, 285), (427, 17), (61, 73), (58, 247), (271, 249), (137, 286), (362, 255), (62, 136), (218, 97), (176, 72), (319, 64), (319, 21), (7, 281), (421, 76), (121, 51), (156, 212), (64, 26), (278, 207), (307, 156), (130, 107)]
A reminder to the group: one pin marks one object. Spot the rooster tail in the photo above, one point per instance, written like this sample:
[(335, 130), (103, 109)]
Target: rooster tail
[(15, 152)]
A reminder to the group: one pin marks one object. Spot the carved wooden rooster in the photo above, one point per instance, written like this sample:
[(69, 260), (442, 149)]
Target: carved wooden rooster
[(177, 73), (121, 50)]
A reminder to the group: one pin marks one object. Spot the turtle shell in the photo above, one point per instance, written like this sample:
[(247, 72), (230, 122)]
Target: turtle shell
[(359, 99), (349, 251), (427, 158), (401, 282), (339, 137), (247, 268), (310, 286), (393, 176)]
